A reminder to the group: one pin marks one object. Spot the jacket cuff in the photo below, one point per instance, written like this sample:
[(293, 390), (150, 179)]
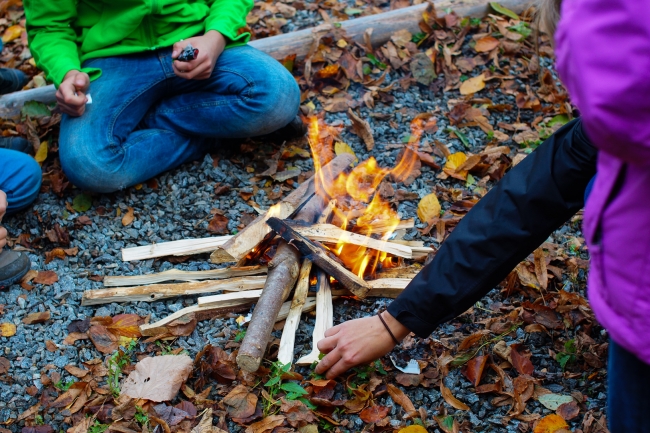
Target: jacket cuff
[(231, 34)]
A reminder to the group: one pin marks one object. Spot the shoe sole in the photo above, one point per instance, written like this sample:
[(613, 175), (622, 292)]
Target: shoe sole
[(4, 284)]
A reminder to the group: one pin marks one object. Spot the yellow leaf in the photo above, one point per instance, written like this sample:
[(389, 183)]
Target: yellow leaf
[(429, 207), (125, 341), (341, 43), (128, 217), (550, 424), (455, 160), (472, 85), (12, 33), (340, 147), (413, 429), (7, 329), (41, 155)]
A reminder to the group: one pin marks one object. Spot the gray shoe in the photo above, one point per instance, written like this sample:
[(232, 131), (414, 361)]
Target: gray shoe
[(19, 144), (13, 266)]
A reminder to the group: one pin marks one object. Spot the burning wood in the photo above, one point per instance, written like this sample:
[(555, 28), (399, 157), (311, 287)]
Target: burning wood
[(177, 275)]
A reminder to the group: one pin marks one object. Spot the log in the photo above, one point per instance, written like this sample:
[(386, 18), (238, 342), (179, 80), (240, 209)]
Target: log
[(156, 292), (245, 241), (324, 318), (331, 234), (189, 276), (174, 248), (285, 353), (320, 257), (299, 43)]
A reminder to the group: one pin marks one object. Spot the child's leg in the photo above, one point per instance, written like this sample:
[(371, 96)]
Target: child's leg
[(249, 94), (20, 179), (104, 149), (628, 393)]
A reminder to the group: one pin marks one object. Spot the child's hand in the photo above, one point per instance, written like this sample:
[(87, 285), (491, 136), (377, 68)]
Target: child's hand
[(210, 47), (357, 342), (3, 209), (71, 94)]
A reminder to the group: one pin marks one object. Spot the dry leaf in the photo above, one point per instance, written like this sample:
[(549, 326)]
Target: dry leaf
[(41, 154), (520, 362), (550, 424), (485, 44), (7, 329), (361, 128), (126, 325), (34, 318), (46, 277), (450, 399), (400, 398), (218, 224), (83, 425), (472, 85), (266, 425), (413, 429), (341, 147), (568, 411), (473, 369), (128, 217), (158, 378), (374, 413), (4, 365), (240, 402), (428, 208)]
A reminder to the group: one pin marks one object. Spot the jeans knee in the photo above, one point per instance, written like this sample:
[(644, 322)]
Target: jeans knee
[(277, 101), (23, 184)]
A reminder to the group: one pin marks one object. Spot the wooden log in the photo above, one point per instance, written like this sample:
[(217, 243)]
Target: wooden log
[(331, 234), (324, 318), (174, 248), (155, 292), (320, 257), (285, 352), (299, 43), (243, 242), (178, 275)]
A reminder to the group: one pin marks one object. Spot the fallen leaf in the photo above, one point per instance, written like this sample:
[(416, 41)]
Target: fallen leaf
[(34, 318), (504, 10), (104, 340), (7, 329), (297, 413), (408, 379), (4, 365), (374, 413), (82, 202), (447, 423), (473, 369), (46, 277), (240, 402), (158, 378), (472, 85), (361, 128), (266, 425), (218, 224), (450, 399), (126, 325), (485, 44), (550, 424), (554, 401), (569, 410), (520, 362), (400, 398), (428, 208), (41, 154), (422, 68), (128, 217), (12, 33), (83, 425), (413, 429), (38, 429), (341, 147)]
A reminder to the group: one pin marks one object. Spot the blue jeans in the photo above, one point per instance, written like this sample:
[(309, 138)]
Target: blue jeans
[(20, 179), (144, 120), (628, 393)]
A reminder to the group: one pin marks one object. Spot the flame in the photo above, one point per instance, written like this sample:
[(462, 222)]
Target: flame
[(359, 207)]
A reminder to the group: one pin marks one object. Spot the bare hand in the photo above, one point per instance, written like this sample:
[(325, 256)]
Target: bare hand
[(357, 342), (3, 209), (210, 47), (71, 94)]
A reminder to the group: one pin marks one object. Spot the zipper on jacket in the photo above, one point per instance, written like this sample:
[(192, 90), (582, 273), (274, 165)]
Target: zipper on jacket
[(151, 37)]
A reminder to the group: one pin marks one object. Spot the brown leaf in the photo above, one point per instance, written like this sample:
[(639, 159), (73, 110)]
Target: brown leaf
[(38, 429), (408, 379), (158, 378), (568, 411), (472, 85), (298, 415), (128, 217), (76, 371), (485, 44), (240, 402), (68, 397), (473, 369), (56, 253), (34, 318), (362, 128), (83, 426), (550, 424), (450, 399), (221, 189), (521, 363), (374, 413), (104, 340), (46, 277), (218, 224), (400, 398), (74, 336), (266, 425), (4, 365), (472, 340), (126, 325)]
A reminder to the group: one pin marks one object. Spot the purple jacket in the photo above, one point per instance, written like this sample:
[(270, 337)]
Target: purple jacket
[(603, 58)]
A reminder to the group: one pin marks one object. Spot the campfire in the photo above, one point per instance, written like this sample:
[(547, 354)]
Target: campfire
[(334, 234)]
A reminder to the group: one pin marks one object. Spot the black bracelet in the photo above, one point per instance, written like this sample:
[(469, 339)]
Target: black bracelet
[(387, 328)]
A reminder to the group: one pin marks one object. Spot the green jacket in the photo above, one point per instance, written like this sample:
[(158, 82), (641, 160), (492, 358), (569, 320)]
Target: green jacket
[(64, 33)]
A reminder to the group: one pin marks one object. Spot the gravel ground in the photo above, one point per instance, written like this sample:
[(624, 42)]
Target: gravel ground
[(181, 207)]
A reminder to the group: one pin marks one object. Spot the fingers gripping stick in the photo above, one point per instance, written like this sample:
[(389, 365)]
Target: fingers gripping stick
[(188, 54)]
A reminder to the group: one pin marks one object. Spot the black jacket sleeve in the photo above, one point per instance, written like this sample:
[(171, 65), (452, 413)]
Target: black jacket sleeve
[(516, 216)]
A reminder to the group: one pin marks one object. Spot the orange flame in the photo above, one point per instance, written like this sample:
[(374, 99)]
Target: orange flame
[(358, 201)]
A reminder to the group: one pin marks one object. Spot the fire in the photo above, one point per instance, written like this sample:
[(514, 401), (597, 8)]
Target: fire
[(359, 207)]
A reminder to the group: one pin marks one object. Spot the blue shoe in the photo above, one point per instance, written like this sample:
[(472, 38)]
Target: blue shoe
[(19, 144), (13, 266), (11, 80)]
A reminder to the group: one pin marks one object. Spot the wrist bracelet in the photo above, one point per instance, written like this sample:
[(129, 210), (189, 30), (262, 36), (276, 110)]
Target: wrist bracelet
[(387, 328)]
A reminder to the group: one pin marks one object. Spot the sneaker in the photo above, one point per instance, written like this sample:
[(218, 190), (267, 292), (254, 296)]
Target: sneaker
[(13, 266), (11, 80), (295, 129), (18, 144)]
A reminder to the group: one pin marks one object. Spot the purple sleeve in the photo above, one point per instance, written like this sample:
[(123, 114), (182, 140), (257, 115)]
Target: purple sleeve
[(603, 58)]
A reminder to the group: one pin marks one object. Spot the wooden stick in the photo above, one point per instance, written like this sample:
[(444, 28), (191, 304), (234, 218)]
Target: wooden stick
[(243, 242), (285, 353), (155, 292), (174, 248), (332, 234), (324, 318), (319, 255), (189, 276)]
